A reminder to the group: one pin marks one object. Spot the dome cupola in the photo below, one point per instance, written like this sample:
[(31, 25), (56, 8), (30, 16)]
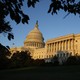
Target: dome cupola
[(35, 38)]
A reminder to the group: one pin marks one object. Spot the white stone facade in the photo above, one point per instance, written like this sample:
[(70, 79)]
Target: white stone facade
[(39, 50)]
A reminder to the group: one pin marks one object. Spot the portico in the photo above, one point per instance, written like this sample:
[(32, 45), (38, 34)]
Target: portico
[(63, 43)]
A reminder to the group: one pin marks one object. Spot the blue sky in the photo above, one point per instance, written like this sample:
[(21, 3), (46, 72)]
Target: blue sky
[(51, 26)]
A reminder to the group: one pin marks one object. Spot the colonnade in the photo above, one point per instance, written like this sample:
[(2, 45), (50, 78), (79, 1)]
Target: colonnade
[(64, 45), (34, 44)]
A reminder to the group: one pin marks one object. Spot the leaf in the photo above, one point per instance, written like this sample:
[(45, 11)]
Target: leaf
[(8, 47), (50, 8), (65, 8), (29, 3), (32, 3), (25, 19), (10, 36), (12, 14), (17, 18)]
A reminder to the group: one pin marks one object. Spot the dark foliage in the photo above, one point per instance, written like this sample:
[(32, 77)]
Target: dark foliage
[(13, 9), (70, 6), (21, 59), (54, 60), (38, 62), (32, 3), (73, 60), (4, 53)]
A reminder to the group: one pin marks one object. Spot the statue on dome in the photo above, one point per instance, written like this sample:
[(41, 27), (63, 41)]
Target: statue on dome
[(36, 24)]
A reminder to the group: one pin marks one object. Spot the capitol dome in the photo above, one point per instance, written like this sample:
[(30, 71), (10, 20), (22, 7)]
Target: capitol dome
[(35, 38)]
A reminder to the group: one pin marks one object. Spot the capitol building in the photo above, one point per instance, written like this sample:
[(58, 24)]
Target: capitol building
[(62, 46)]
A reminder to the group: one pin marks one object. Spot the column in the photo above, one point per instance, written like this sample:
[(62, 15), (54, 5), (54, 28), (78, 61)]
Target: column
[(54, 47), (38, 44), (28, 44), (59, 46), (68, 45), (47, 48), (32, 43), (71, 44), (51, 47), (35, 44), (65, 44), (62, 45), (41, 45)]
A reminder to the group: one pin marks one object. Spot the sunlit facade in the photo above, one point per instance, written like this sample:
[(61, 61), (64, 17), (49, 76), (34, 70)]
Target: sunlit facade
[(34, 43)]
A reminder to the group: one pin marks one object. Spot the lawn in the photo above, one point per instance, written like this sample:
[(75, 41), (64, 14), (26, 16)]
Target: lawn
[(42, 73)]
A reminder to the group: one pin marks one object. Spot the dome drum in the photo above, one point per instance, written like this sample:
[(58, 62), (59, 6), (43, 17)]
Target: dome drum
[(34, 44)]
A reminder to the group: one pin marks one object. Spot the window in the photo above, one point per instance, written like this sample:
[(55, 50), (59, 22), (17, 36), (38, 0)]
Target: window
[(47, 56)]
